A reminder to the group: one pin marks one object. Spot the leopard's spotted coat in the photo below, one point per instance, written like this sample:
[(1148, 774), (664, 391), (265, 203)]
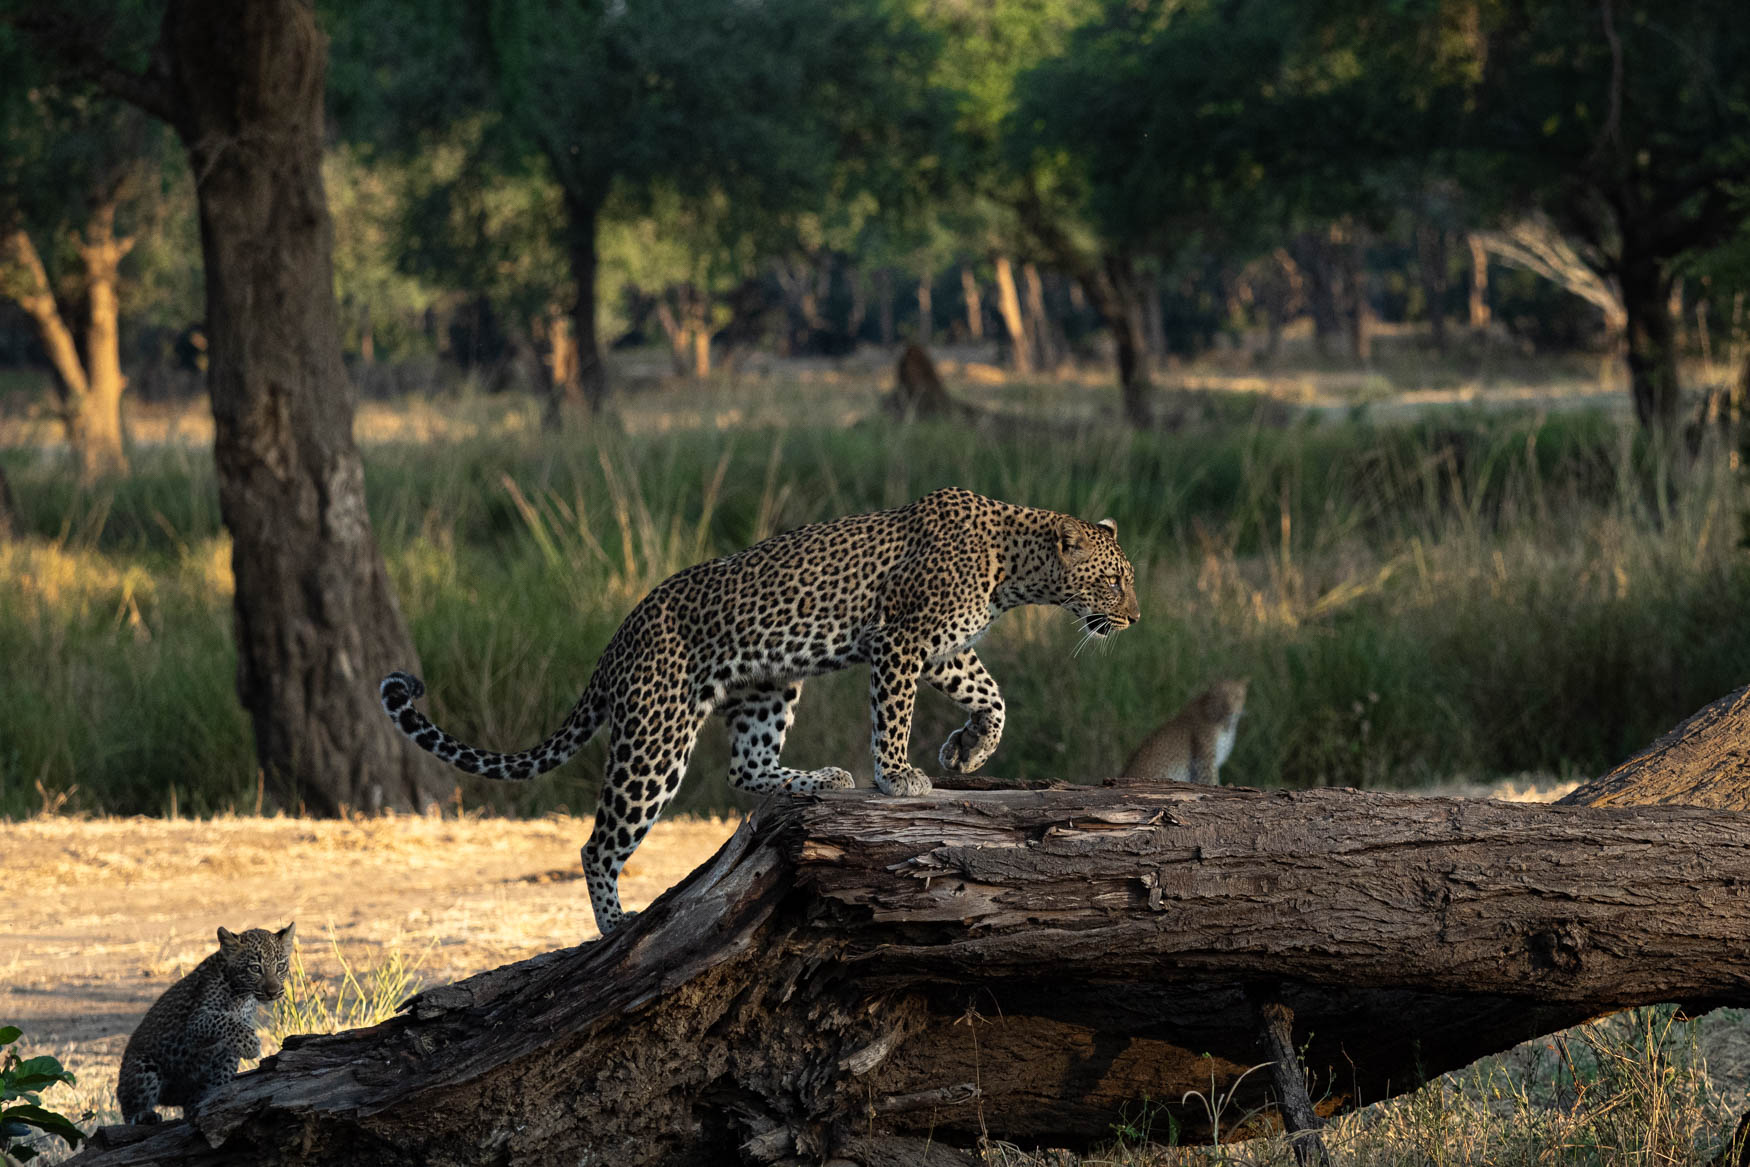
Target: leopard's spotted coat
[(192, 1037), (906, 591)]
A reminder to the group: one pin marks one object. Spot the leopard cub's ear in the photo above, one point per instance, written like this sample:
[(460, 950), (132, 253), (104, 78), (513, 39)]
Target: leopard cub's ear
[(228, 940), (1110, 524), (286, 936)]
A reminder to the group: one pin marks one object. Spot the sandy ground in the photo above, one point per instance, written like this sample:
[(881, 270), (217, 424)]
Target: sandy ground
[(100, 916)]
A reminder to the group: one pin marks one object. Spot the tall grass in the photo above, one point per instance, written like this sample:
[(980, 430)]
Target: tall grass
[(1473, 595)]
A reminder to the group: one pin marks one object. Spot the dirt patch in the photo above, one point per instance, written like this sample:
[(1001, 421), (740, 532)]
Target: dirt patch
[(102, 915)]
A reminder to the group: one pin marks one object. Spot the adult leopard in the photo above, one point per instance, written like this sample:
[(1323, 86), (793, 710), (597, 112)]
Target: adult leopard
[(906, 591)]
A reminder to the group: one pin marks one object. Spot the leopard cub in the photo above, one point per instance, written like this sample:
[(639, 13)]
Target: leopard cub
[(192, 1037)]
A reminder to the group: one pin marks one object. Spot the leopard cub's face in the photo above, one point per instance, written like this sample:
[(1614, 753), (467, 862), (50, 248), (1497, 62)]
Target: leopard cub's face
[(1099, 585), (258, 962)]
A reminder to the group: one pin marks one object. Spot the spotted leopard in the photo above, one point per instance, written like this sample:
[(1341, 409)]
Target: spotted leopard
[(191, 1038), (907, 591)]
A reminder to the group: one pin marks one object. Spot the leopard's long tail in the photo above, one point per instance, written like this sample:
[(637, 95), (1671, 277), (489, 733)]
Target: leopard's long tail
[(399, 690)]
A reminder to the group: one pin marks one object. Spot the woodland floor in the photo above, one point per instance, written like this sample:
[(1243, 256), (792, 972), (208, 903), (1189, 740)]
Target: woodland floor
[(101, 915)]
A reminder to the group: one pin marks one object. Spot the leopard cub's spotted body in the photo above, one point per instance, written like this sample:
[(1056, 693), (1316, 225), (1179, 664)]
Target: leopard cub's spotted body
[(192, 1037), (905, 591)]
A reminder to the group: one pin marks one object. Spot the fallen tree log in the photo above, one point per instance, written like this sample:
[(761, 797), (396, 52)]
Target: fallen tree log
[(1703, 762), (863, 976)]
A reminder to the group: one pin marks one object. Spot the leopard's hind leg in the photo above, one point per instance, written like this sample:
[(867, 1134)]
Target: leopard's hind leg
[(137, 1091), (649, 744), (758, 717)]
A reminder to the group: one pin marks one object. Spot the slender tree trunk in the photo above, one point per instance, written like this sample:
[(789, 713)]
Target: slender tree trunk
[(1351, 244), (884, 304), (676, 332), (1038, 320), (926, 308), (317, 623), (89, 387), (1009, 307), (1431, 266), (1322, 288), (1124, 315), (561, 365), (974, 305), (1154, 319), (583, 205), (7, 507), (859, 302), (1479, 283), (101, 252), (1652, 348), (699, 322), (27, 284)]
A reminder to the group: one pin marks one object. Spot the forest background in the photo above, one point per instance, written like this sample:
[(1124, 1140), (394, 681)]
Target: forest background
[(1406, 343)]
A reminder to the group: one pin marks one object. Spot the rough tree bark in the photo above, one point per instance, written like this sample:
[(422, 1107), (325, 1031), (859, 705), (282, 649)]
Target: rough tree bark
[(1705, 761), (852, 970), (316, 622)]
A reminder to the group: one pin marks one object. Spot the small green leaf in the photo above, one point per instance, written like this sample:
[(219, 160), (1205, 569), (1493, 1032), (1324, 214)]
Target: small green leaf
[(44, 1120), (37, 1073), (10, 1034)]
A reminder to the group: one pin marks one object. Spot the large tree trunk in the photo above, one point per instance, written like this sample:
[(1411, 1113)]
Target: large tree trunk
[(317, 624), (854, 970), (1652, 346)]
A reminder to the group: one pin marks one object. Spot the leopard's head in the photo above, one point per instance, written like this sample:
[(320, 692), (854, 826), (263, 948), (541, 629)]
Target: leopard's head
[(258, 962), (1098, 584)]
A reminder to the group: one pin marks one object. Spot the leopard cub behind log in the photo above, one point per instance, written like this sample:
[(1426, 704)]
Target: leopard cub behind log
[(906, 591), (1193, 744), (191, 1039)]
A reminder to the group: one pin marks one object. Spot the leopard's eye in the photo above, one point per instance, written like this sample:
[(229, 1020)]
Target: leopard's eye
[(1118, 584)]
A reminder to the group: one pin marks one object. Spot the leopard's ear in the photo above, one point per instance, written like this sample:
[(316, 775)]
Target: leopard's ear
[(228, 940), (1110, 524), (1072, 539), (286, 936)]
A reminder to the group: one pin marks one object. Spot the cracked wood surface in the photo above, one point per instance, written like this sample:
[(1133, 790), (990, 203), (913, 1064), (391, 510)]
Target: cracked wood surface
[(1030, 962)]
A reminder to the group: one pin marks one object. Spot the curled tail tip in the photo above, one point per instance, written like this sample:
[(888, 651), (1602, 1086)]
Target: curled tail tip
[(400, 688)]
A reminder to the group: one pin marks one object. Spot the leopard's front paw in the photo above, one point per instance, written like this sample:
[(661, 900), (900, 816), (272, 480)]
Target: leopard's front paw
[(903, 781), (832, 778), (966, 749)]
